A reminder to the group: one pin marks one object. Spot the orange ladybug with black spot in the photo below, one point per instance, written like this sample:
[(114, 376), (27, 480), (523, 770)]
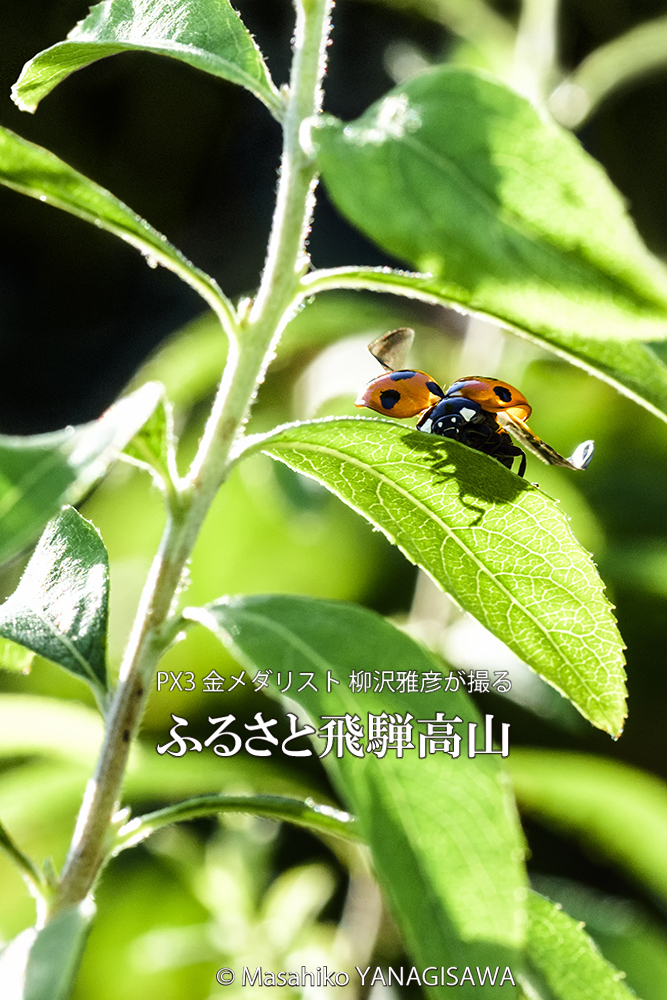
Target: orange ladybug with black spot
[(477, 410)]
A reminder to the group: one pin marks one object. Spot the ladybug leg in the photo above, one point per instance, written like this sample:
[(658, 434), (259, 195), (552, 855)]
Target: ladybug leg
[(512, 452), (505, 452)]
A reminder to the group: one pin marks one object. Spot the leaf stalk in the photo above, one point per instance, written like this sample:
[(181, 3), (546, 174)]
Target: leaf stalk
[(320, 819)]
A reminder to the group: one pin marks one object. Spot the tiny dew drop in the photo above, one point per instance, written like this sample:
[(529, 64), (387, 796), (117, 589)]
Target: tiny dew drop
[(150, 258), (42, 197)]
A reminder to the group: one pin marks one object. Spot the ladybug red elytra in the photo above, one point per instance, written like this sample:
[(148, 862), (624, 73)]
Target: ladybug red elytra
[(477, 410)]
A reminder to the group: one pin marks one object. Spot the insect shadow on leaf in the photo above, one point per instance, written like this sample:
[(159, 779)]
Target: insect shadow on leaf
[(478, 477)]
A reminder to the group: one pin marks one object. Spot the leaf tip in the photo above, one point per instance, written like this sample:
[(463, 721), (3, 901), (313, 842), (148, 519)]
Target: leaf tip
[(19, 100)]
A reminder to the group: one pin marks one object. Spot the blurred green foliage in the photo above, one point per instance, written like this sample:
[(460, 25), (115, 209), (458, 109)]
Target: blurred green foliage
[(163, 928), (294, 537)]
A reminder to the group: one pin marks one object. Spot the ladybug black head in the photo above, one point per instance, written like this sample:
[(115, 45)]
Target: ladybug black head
[(449, 416)]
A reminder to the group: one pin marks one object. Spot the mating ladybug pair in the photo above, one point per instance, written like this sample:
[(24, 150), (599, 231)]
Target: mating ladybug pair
[(476, 411)]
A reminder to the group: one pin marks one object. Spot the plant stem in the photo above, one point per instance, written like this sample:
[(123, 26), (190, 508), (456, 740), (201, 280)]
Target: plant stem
[(638, 52), (249, 356), (535, 53), (286, 260)]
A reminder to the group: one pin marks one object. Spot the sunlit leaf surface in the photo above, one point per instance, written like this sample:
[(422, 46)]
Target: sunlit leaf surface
[(208, 35), (460, 177), (40, 473), (443, 833), (60, 608), (497, 544)]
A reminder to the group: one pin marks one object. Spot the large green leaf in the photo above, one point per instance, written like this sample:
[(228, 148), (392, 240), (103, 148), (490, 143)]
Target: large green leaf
[(463, 179), (42, 965), (628, 365), (617, 810), (36, 172), (60, 609), (208, 35), (498, 545), (39, 474), (567, 958), (443, 832)]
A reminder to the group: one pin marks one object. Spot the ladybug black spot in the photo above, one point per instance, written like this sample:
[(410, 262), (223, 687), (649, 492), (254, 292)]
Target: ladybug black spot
[(435, 389), (389, 398), (399, 376), (502, 393)]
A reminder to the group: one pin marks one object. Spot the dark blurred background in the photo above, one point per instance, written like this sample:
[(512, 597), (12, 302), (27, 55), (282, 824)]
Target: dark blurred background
[(80, 312)]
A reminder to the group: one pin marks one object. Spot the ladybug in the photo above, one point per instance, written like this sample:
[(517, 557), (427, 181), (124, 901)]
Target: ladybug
[(477, 411), (466, 421)]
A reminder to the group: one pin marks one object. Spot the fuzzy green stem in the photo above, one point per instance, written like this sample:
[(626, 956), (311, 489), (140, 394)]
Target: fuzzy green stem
[(248, 359), (536, 50), (286, 260), (409, 284), (320, 819)]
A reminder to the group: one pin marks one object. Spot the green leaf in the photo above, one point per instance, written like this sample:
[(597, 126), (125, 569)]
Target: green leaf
[(567, 958), (42, 965), (153, 446), (208, 35), (626, 934), (316, 817), (36, 172), (617, 810), (39, 474), (60, 608), (631, 367), (444, 836), (462, 178), (498, 545)]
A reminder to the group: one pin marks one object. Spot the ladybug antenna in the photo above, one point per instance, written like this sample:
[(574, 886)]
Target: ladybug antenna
[(392, 348)]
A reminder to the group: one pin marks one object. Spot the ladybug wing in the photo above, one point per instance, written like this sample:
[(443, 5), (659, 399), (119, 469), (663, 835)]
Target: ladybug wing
[(519, 429), (401, 394), (493, 395), (392, 349)]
